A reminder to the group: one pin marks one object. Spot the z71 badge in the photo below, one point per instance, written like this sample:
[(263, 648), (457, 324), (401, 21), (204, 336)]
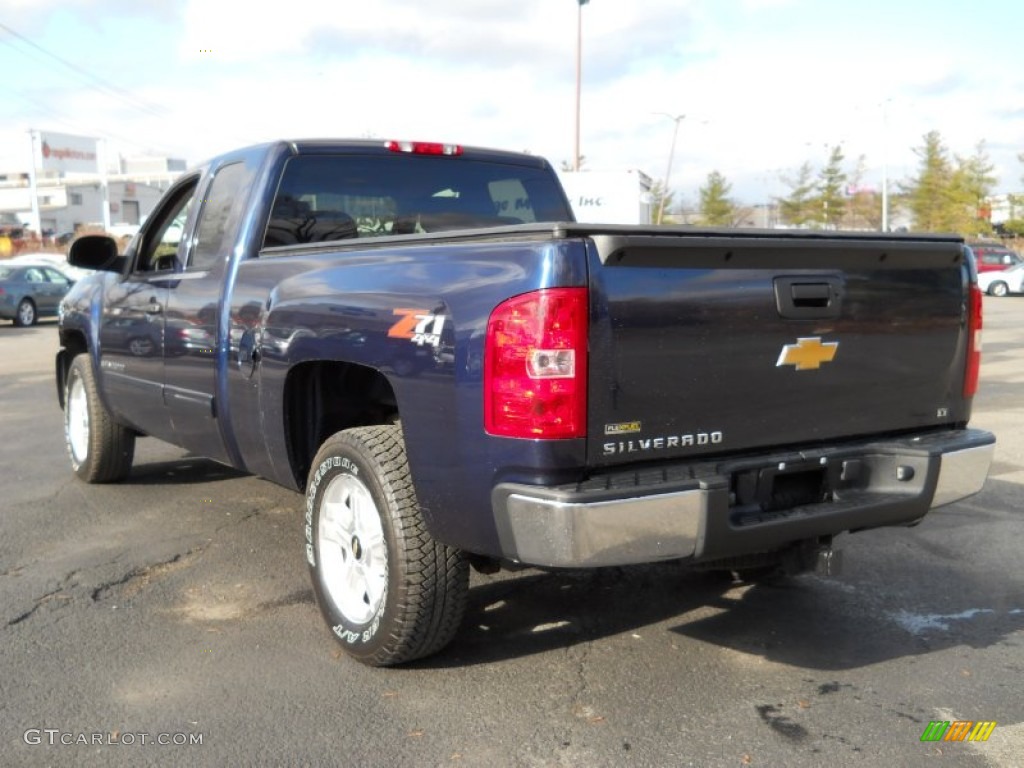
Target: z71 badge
[(419, 326)]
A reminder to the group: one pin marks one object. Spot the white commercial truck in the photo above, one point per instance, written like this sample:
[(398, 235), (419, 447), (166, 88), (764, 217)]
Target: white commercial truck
[(609, 197)]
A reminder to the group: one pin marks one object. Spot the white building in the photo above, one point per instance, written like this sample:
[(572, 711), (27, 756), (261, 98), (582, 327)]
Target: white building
[(68, 202), (130, 202)]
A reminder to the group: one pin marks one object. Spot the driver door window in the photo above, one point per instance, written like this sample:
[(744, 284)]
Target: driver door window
[(162, 244)]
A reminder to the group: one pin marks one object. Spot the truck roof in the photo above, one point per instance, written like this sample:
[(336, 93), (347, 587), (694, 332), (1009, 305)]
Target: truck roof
[(318, 146), (314, 146)]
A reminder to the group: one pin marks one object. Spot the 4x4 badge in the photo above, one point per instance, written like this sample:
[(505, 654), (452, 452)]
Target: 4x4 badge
[(419, 326), (808, 353)]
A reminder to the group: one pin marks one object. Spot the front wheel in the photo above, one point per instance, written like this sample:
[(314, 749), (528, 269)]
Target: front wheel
[(101, 450), (998, 288), (388, 590), (25, 315)]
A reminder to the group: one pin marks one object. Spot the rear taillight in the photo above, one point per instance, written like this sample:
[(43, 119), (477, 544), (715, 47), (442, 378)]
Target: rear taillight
[(535, 365), (423, 147), (973, 341)]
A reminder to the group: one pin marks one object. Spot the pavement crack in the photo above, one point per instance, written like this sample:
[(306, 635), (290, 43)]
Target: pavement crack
[(27, 614), (580, 696), (39, 602), (297, 597), (237, 519), (136, 579)]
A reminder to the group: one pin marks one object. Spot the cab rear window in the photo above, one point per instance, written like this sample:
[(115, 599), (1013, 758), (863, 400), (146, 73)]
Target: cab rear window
[(322, 198)]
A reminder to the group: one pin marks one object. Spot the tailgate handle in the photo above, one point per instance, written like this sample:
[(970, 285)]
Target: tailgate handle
[(809, 298), (811, 294)]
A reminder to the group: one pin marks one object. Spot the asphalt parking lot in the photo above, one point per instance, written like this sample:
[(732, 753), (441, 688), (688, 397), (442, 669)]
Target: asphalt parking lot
[(169, 620)]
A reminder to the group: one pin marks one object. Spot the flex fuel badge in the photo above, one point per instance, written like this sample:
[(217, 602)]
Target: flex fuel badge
[(420, 326), (623, 428)]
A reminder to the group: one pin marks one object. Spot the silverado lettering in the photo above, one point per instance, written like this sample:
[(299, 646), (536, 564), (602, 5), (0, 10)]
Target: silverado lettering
[(661, 443)]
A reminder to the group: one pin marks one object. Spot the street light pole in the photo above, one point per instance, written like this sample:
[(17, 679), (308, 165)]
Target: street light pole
[(885, 165), (579, 79), (668, 171), (33, 183)]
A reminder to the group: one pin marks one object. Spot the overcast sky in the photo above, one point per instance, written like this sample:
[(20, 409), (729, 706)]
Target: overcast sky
[(764, 84)]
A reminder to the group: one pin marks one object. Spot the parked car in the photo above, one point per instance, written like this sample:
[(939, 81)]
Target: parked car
[(1004, 282), (994, 257), (55, 260), (28, 291), (123, 230)]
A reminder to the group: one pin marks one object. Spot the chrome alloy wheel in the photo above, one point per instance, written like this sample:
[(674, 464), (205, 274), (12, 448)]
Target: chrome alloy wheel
[(353, 554), (76, 420)]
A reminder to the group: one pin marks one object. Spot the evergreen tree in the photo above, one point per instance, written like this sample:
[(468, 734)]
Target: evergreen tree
[(864, 210), (661, 204), (1015, 225), (830, 201), (716, 208), (972, 185), (929, 196), (797, 209)]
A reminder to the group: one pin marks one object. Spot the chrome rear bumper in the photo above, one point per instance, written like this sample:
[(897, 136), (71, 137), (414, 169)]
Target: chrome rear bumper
[(875, 484)]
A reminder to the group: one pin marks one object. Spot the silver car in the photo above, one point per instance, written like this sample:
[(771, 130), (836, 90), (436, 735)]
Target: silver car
[(29, 291)]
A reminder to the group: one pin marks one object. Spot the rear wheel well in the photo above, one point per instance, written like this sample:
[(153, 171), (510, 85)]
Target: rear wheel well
[(325, 397)]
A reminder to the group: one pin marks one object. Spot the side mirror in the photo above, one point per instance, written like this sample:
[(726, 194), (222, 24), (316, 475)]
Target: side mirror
[(96, 252)]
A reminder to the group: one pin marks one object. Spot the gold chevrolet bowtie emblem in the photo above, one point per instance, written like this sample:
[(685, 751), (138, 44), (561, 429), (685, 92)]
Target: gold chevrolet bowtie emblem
[(808, 353)]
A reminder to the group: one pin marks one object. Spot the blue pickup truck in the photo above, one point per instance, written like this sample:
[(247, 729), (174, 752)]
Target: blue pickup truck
[(420, 339)]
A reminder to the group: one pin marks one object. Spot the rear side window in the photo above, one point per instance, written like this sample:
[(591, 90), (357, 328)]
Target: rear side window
[(56, 277), (336, 197), (1003, 258), (213, 227)]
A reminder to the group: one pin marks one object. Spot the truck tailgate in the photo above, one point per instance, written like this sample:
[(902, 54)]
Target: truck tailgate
[(704, 344)]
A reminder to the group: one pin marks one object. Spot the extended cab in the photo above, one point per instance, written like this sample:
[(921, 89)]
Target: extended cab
[(420, 339)]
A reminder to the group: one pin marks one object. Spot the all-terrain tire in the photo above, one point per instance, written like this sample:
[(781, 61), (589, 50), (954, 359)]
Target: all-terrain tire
[(101, 450), (387, 589)]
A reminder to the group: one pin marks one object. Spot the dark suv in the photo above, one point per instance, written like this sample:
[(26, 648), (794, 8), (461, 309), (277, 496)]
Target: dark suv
[(992, 257)]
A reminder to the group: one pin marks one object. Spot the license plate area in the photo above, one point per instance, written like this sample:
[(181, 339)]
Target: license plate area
[(767, 493)]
